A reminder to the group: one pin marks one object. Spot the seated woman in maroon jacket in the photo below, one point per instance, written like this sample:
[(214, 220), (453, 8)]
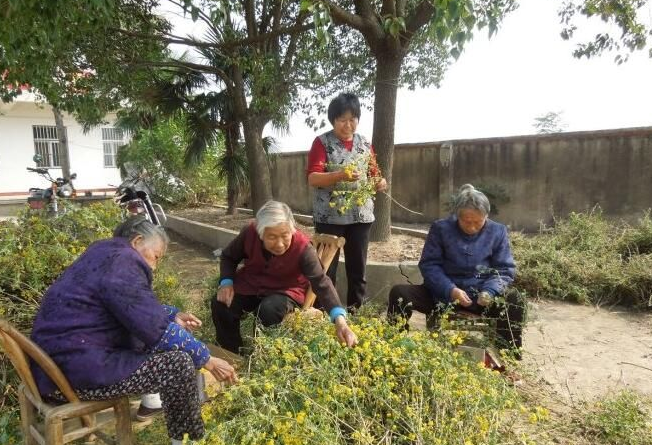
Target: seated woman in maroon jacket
[(279, 265), (104, 327)]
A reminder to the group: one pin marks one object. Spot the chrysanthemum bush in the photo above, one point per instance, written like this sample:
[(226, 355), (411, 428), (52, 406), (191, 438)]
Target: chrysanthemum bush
[(395, 387)]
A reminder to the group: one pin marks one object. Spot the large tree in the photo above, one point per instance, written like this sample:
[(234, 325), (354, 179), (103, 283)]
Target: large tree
[(67, 53), (264, 44), (411, 42), (51, 48)]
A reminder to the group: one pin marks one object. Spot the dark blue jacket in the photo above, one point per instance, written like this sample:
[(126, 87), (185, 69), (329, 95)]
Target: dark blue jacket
[(451, 258), (101, 320)]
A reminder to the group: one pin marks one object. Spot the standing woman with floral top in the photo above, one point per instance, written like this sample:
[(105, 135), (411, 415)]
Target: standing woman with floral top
[(340, 162)]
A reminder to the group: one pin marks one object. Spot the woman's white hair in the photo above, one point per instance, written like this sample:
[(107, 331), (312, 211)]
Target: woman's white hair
[(468, 197), (273, 213)]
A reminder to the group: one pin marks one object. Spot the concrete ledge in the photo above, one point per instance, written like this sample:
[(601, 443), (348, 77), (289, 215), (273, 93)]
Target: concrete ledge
[(307, 220), (11, 207), (380, 276), (211, 236)]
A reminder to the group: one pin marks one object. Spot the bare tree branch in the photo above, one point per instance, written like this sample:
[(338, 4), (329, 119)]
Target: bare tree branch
[(226, 45), (419, 17), (264, 19), (364, 9), (166, 38), (270, 35), (250, 17), (277, 14), (343, 17), (201, 14), (400, 8), (292, 46), (388, 8)]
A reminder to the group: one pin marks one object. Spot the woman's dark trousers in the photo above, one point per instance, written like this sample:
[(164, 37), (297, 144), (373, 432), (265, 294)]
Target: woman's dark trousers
[(355, 258), (269, 309), (405, 298)]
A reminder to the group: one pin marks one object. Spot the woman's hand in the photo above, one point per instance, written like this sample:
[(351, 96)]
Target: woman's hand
[(348, 175), (187, 321), (461, 297), (344, 332), (381, 185), (221, 370), (225, 295)]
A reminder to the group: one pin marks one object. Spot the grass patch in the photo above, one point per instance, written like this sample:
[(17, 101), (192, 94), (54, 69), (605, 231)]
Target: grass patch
[(587, 259), (622, 419)]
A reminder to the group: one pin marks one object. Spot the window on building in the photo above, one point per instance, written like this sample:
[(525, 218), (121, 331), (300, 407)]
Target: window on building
[(46, 144), (112, 139)]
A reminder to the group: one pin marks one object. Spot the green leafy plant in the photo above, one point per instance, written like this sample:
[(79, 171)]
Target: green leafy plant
[(587, 259), (9, 426), (161, 151), (621, 419)]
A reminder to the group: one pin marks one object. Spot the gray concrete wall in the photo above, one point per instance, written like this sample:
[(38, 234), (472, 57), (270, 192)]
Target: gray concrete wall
[(544, 176), (289, 181)]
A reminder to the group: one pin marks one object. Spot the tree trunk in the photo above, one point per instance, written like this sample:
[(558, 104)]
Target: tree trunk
[(231, 145), (259, 177), (388, 69), (63, 143)]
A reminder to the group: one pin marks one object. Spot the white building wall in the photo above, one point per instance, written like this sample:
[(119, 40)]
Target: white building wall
[(17, 150)]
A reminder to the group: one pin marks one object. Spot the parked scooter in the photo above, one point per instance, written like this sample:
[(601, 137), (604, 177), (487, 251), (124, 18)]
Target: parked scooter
[(133, 196), (59, 188)]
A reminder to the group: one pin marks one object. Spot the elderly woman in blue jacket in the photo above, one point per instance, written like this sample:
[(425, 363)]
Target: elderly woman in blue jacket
[(103, 326), (466, 262)]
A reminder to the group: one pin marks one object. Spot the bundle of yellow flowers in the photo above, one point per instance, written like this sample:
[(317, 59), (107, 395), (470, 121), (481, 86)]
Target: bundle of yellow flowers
[(394, 387), (349, 194)]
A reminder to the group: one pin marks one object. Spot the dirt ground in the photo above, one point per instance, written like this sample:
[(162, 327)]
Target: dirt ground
[(583, 352), (398, 248), (574, 352)]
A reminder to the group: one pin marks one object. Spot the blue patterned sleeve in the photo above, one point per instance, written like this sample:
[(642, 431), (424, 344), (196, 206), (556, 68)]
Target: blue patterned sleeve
[(171, 311), (177, 338)]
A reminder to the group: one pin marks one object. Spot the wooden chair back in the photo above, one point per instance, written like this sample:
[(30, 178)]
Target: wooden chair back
[(18, 348), (327, 247)]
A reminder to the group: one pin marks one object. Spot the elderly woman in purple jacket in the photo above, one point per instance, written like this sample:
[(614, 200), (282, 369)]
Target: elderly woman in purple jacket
[(104, 327), (466, 261)]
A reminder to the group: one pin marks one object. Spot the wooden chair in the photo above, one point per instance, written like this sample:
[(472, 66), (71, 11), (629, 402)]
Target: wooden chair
[(46, 424), (326, 247)]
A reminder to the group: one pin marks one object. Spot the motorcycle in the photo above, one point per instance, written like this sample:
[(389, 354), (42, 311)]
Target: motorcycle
[(59, 188), (133, 196)]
